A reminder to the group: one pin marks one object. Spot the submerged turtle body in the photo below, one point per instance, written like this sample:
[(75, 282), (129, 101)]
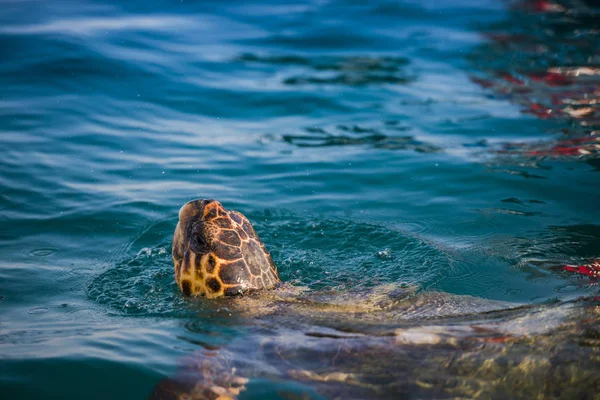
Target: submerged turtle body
[(217, 253), (385, 342)]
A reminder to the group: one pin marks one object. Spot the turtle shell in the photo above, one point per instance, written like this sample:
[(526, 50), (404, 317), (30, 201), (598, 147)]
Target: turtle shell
[(216, 252)]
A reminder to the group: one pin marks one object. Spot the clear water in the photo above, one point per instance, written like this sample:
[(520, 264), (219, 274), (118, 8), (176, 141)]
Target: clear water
[(358, 137)]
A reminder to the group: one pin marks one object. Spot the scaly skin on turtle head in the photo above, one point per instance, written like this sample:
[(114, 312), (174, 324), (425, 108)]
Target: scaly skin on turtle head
[(217, 253)]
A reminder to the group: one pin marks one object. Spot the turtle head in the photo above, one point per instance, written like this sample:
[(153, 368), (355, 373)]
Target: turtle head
[(217, 253)]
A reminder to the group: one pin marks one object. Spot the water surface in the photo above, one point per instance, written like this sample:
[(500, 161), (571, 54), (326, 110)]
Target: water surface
[(369, 143)]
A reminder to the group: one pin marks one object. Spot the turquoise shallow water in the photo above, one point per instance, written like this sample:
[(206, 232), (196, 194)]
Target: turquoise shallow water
[(369, 143)]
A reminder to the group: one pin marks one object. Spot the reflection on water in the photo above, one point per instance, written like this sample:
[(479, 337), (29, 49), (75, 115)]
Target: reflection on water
[(346, 70), (554, 74), (382, 137)]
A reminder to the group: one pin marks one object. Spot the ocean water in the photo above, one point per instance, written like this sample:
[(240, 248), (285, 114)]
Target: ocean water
[(451, 146)]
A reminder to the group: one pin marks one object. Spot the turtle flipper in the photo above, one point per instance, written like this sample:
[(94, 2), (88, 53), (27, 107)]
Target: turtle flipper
[(171, 389), (207, 377)]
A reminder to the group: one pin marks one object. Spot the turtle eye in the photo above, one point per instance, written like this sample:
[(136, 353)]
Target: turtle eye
[(198, 241)]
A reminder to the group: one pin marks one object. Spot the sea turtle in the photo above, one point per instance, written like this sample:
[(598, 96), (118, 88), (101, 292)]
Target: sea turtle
[(385, 342), (217, 252)]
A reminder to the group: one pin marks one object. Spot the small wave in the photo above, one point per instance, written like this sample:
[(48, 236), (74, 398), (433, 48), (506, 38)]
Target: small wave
[(42, 252), (341, 70), (141, 285), (344, 135), (325, 252), (140, 280), (88, 26)]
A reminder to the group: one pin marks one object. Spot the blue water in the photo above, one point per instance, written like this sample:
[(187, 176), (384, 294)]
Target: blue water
[(356, 136)]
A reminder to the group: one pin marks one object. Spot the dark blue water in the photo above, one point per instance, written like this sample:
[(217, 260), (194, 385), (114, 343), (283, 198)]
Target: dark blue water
[(368, 142)]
